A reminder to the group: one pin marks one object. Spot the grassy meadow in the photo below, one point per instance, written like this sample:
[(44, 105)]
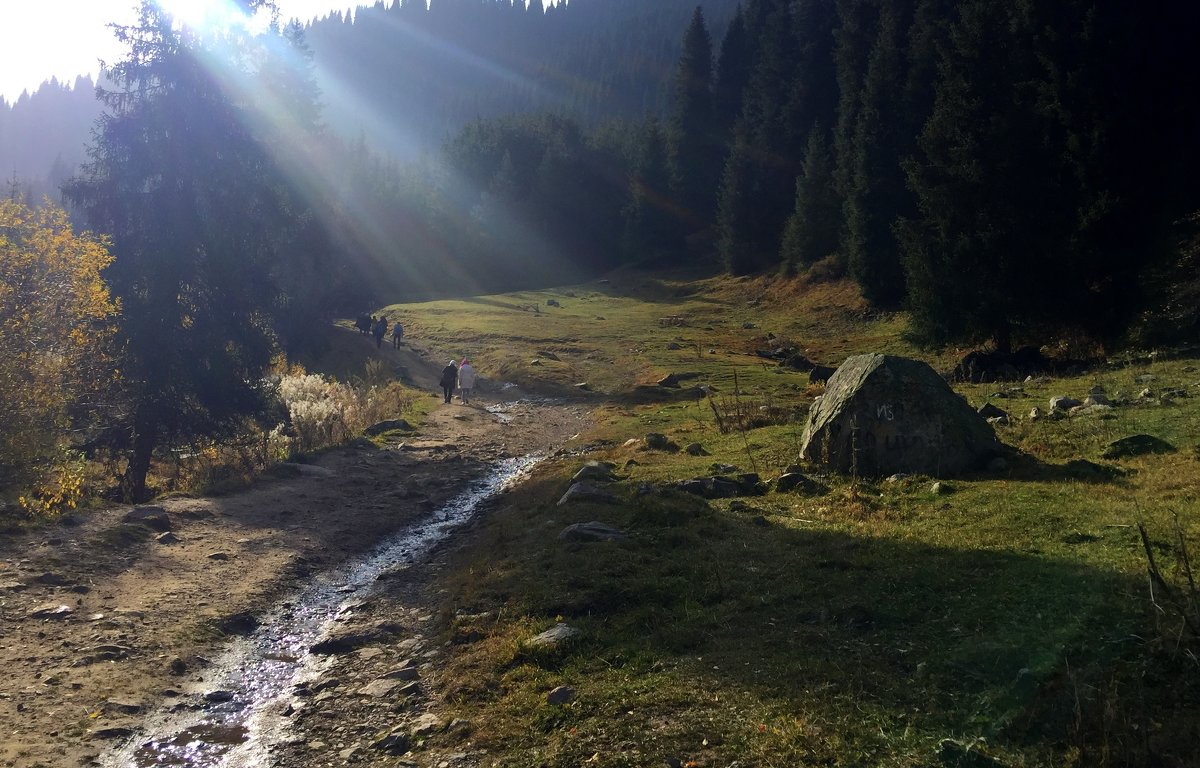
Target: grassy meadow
[(1006, 620)]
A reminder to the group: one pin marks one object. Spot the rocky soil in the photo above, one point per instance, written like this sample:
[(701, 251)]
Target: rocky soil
[(106, 621)]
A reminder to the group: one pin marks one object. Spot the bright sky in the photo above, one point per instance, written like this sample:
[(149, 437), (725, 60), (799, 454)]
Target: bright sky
[(40, 39)]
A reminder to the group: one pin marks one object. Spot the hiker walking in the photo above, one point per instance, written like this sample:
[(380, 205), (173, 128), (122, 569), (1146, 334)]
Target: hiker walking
[(381, 326), (397, 334), (466, 380), (449, 377)]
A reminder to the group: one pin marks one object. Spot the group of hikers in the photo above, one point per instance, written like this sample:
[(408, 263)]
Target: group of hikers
[(378, 327), (460, 374)]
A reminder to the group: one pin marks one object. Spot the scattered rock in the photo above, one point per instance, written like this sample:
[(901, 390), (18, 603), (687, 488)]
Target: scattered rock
[(351, 639), (52, 611), (427, 724), (379, 689), (593, 531), (167, 538), (883, 414), (395, 742), (989, 411), (547, 355), (583, 385), (552, 303), (981, 367), (112, 732), (695, 449), (601, 471), (1084, 469), (101, 653), (585, 491), (670, 380), (51, 579), (238, 624), (220, 556), (1063, 403), (406, 673), (656, 441), (154, 518), (821, 374), (390, 425), (673, 346), (12, 586), (940, 489), (220, 696), (1136, 445), (554, 637), (1097, 396), (123, 706), (715, 487), (563, 694), (1035, 413), (794, 481)]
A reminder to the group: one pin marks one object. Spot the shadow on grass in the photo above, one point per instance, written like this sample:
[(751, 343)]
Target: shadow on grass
[(1041, 655)]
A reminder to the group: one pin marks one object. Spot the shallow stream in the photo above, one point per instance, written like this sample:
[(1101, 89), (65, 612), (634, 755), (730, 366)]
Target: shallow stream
[(233, 716)]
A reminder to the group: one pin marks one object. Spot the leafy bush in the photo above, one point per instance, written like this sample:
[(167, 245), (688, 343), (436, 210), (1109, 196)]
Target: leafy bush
[(55, 364)]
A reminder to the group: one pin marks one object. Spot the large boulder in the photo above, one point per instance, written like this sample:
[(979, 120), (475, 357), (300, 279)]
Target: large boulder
[(883, 414)]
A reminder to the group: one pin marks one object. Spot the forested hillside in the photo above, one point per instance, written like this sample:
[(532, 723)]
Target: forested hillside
[(43, 135), (408, 77)]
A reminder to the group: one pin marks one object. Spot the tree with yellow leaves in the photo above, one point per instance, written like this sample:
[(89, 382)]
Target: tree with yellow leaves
[(56, 321)]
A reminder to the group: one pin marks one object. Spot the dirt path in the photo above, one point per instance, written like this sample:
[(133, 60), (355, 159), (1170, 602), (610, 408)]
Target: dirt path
[(101, 623)]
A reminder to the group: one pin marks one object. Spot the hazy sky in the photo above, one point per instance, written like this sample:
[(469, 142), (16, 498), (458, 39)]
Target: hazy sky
[(65, 38)]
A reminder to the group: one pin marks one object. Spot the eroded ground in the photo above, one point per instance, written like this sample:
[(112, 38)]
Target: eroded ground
[(102, 623)]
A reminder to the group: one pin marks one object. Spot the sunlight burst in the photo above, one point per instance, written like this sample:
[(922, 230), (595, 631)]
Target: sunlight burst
[(204, 15)]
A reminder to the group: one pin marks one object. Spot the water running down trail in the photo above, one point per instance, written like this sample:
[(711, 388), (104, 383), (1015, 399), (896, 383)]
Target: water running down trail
[(235, 714)]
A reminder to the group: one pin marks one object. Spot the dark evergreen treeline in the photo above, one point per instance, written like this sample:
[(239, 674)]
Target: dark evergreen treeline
[(410, 74), (43, 135), (1004, 170)]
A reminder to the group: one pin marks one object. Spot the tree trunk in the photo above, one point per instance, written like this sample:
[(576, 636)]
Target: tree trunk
[(145, 430), (1004, 339)]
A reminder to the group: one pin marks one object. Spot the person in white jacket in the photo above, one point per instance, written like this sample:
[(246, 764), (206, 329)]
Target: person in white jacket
[(466, 380)]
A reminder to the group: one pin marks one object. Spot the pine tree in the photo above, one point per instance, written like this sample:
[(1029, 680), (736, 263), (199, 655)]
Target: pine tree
[(876, 193), (694, 153), (986, 258), (738, 217), (758, 189), (651, 218), (814, 228), (733, 73), (190, 199)]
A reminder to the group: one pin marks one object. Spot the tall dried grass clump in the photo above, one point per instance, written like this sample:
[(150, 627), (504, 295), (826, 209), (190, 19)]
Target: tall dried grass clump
[(323, 412)]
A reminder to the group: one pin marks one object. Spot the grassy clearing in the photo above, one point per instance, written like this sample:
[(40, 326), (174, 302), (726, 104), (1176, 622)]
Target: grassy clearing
[(858, 626)]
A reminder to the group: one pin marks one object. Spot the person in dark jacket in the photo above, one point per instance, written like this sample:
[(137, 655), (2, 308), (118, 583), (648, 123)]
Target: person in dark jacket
[(381, 326), (449, 379)]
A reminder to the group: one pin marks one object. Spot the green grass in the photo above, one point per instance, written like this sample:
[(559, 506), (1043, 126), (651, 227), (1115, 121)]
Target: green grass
[(860, 626)]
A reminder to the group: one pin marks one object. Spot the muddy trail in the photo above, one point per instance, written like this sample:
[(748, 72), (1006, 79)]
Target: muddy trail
[(185, 640)]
